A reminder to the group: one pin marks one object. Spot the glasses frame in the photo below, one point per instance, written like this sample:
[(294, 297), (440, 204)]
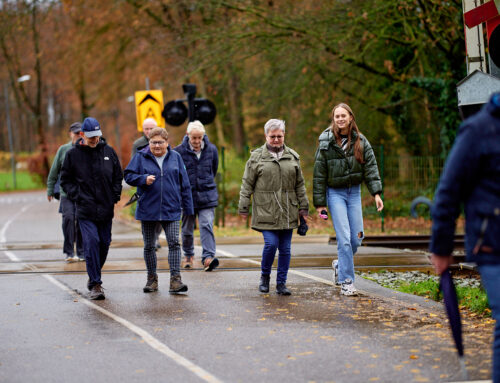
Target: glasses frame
[(157, 143)]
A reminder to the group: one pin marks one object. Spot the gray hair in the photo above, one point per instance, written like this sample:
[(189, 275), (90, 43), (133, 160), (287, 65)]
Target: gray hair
[(195, 125), (274, 124)]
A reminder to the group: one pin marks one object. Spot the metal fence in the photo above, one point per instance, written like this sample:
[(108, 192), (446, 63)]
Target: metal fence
[(404, 178)]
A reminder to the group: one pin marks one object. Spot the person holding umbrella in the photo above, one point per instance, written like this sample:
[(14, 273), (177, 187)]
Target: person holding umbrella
[(471, 178)]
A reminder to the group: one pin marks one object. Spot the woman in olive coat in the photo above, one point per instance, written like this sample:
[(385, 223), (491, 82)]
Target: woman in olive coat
[(274, 177), (344, 160)]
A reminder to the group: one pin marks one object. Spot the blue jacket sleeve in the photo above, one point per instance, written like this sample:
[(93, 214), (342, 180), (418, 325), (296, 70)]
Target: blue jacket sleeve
[(187, 198), (459, 175), (134, 173)]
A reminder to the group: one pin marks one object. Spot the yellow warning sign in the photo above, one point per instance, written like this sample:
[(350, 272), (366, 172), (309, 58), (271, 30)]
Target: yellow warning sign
[(149, 103)]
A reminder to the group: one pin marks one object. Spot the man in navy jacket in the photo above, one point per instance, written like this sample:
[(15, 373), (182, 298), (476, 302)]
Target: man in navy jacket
[(92, 177), (202, 160), (472, 178)]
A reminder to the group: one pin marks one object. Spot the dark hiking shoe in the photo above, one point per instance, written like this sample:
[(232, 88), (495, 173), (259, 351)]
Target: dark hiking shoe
[(282, 290), (210, 263), (264, 283), (176, 285), (151, 284), (96, 294)]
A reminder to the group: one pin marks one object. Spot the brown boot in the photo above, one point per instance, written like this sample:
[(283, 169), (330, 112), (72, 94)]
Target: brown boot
[(151, 284), (176, 285)]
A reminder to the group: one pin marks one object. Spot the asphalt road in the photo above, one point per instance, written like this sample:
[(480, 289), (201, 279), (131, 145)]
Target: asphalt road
[(222, 330)]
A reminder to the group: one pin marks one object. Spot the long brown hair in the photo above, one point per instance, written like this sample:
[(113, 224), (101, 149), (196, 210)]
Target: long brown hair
[(358, 150)]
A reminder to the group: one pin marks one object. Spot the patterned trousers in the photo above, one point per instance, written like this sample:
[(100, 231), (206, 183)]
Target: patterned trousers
[(171, 229)]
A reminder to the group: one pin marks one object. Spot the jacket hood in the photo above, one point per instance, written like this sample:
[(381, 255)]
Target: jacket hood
[(79, 144), (185, 141), (327, 135), (146, 151), (286, 150)]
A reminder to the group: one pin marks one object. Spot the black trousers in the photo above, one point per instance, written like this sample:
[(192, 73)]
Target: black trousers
[(70, 228)]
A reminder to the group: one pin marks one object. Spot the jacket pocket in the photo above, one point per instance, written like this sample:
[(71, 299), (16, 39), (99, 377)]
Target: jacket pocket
[(487, 230), (264, 208), (293, 207)]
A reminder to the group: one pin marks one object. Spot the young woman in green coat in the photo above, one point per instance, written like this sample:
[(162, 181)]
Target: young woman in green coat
[(344, 160), (274, 177)]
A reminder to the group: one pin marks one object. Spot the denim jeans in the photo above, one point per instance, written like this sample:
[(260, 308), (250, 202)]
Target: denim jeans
[(96, 240), (207, 239), (490, 276), (273, 240), (345, 209)]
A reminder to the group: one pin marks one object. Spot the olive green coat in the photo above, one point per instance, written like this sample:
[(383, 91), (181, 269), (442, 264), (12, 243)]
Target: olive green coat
[(278, 190), (337, 169)]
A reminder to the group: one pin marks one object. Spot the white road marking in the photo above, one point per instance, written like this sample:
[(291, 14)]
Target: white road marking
[(296, 272), (147, 337), (7, 224)]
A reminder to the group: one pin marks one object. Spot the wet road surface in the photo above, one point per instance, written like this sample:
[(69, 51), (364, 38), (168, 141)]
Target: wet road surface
[(223, 329)]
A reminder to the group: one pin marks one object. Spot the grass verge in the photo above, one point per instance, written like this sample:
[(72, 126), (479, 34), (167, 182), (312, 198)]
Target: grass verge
[(473, 299), (24, 181)]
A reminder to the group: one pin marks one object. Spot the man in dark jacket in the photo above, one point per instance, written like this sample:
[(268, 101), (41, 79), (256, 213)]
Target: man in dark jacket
[(70, 227), (201, 160), (472, 178), (92, 177)]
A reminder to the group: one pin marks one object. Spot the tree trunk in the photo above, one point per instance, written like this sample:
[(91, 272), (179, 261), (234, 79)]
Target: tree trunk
[(235, 113)]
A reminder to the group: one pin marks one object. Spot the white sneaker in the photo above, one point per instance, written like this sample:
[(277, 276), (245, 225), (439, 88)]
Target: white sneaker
[(68, 258), (335, 266), (348, 288), (76, 258)]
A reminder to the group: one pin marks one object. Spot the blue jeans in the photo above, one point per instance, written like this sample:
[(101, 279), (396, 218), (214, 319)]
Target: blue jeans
[(345, 208), (273, 240), (96, 240), (490, 276), (207, 238)]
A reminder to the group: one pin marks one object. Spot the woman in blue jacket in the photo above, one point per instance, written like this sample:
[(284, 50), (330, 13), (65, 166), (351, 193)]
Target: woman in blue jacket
[(163, 185)]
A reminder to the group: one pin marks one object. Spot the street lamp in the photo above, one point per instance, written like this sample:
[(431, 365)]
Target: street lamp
[(9, 127)]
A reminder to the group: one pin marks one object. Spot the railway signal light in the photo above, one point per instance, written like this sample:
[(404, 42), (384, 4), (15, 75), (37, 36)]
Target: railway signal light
[(175, 111), (488, 13)]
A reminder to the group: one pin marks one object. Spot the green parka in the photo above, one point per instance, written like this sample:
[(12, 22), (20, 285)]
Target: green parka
[(337, 169), (278, 190)]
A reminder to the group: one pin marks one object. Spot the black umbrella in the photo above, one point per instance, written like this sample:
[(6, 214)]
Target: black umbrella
[(132, 199), (451, 304)]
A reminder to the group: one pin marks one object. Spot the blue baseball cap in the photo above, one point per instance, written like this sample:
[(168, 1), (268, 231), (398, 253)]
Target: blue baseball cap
[(91, 128)]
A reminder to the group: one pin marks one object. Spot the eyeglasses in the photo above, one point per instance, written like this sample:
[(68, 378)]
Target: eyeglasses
[(159, 143), (276, 137)]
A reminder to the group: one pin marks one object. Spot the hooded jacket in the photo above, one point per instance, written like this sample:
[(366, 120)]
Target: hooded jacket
[(471, 177), (92, 177), (278, 190), (335, 168), (164, 198), (201, 172)]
